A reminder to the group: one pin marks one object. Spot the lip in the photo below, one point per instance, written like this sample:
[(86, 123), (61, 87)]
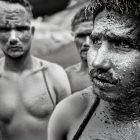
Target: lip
[(15, 48), (84, 50), (103, 83)]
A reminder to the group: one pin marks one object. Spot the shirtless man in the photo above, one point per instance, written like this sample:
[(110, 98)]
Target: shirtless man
[(111, 109), (82, 25), (29, 87)]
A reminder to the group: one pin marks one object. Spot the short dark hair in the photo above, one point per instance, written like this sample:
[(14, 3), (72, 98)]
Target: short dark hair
[(25, 3), (81, 16), (124, 7)]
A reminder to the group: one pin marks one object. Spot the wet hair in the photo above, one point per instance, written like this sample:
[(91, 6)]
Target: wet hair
[(25, 3), (125, 7), (81, 16)]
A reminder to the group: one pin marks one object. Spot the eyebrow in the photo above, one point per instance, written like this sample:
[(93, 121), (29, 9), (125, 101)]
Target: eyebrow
[(113, 37), (83, 33)]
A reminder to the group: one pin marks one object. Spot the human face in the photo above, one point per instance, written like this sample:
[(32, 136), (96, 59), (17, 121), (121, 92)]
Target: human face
[(114, 56), (82, 40), (15, 30)]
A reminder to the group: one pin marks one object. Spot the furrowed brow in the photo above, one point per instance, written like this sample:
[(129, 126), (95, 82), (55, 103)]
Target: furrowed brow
[(113, 37), (85, 33), (96, 35)]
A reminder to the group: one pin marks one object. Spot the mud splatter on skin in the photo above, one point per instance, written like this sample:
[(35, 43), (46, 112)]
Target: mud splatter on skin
[(116, 45), (12, 14), (14, 18)]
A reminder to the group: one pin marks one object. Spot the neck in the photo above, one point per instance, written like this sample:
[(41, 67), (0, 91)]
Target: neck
[(124, 110), (19, 64)]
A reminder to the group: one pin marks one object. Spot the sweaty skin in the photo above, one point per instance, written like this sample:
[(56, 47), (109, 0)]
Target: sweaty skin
[(78, 73), (114, 67), (30, 88)]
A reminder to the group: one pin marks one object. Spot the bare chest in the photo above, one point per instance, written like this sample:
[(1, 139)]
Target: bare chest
[(28, 96)]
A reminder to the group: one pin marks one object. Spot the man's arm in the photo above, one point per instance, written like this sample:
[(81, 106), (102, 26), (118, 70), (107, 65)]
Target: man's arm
[(58, 125), (62, 118), (66, 114)]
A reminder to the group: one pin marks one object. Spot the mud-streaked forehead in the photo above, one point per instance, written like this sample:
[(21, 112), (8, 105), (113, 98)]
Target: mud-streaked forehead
[(111, 22), (13, 13), (86, 26)]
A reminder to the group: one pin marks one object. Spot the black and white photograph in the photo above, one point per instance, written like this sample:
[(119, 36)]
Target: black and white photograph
[(69, 70)]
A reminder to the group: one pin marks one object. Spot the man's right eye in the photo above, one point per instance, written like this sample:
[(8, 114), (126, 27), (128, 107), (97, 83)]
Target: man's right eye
[(80, 35), (4, 29), (96, 41)]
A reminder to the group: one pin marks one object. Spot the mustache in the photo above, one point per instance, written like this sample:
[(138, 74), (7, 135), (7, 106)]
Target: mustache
[(85, 50), (103, 76)]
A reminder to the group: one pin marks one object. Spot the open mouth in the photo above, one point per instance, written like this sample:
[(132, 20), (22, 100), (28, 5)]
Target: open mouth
[(84, 52), (104, 83)]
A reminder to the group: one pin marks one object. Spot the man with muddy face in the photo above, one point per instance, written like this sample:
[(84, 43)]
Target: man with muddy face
[(30, 87), (110, 109), (82, 25)]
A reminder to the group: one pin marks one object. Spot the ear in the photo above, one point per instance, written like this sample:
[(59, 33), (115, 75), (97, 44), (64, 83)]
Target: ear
[(33, 30)]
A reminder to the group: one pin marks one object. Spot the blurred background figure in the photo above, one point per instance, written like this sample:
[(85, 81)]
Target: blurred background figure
[(82, 25), (53, 40)]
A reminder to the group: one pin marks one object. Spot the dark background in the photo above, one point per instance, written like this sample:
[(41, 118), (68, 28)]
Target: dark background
[(48, 7)]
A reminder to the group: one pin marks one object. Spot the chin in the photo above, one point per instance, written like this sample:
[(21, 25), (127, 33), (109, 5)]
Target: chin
[(16, 55), (109, 96)]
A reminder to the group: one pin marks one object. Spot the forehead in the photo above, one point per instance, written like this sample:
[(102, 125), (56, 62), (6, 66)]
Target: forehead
[(86, 26), (12, 13), (109, 22)]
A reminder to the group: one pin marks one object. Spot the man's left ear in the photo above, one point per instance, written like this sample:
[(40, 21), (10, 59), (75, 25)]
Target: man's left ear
[(33, 30)]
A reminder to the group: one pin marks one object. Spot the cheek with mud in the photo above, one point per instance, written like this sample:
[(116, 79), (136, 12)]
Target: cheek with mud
[(25, 36), (129, 82), (4, 38)]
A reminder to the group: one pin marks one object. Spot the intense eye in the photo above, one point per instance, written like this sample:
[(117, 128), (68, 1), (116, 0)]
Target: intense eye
[(96, 41), (22, 28), (80, 36), (4, 29), (121, 44)]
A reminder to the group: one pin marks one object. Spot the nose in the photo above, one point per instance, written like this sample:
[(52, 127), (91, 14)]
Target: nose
[(13, 40), (87, 42), (102, 58)]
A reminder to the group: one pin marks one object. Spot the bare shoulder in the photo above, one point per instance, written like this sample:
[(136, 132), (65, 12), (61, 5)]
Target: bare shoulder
[(57, 78), (77, 103), (68, 111), (52, 68), (72, 68)]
